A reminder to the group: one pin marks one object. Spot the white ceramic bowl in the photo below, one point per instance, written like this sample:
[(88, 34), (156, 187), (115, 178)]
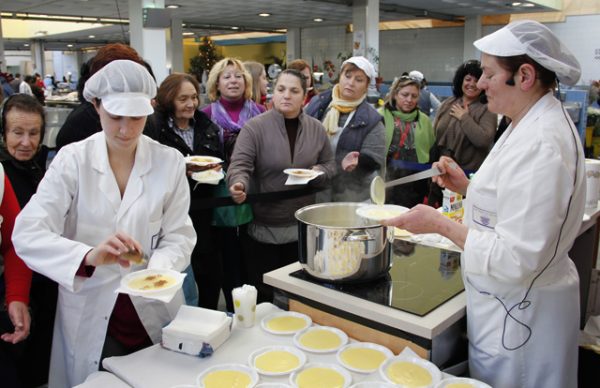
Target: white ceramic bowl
[(150, 272), (202, 160), (340, 334), (462, 380), (264, 322), (290, 349), (224, 367), (373, 384), (363, 345), (436, 375), (378, 213), (345, 374)]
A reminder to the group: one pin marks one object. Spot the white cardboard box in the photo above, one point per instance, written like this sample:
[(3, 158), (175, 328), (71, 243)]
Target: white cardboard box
[(197, 331)]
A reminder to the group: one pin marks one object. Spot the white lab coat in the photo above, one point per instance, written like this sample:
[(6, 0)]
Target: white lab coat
[(77, 206), (516, 206)]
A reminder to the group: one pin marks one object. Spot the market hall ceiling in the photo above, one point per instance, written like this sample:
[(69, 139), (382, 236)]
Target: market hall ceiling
[(210, 17)]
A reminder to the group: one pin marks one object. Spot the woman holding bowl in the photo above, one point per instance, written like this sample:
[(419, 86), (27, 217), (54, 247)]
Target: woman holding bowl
[(282, 138), (522, 288), (178, 123), (102, 198)]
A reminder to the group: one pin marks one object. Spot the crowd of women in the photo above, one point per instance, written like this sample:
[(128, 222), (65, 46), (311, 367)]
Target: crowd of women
[(120, 183)]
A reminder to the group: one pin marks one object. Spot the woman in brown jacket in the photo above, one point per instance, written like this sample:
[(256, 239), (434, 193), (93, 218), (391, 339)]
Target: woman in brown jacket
[(463, 125)]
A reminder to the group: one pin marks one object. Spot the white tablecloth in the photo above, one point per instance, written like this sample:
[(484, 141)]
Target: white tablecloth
[(103, 380), (161, 368)]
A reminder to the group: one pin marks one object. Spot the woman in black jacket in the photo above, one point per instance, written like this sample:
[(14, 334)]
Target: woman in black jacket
[(178, 123)]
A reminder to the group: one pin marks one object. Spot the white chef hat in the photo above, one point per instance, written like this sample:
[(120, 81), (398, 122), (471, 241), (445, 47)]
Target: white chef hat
[(363, 64), (417, 75), (536, 41), (125, 88)]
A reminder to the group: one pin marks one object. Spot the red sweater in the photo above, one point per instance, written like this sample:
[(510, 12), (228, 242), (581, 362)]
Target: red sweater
[(17, 275)]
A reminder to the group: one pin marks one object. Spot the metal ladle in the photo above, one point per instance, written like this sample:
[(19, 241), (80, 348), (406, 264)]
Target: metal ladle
[(378, 185)]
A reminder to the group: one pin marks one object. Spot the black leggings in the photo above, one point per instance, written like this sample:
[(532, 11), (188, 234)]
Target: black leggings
[(262, 258)]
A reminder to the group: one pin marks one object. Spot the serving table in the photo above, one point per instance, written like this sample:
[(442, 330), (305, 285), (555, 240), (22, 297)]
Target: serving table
[(156, 367)]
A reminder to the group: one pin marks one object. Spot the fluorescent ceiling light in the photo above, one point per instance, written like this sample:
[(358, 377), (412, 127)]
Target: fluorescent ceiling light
[(264, 14), (187, 33), (318, 20), (173, 6), (91, 36), (235, 28)]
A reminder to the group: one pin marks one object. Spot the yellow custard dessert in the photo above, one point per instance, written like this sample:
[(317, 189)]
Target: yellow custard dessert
[(362, 358), (276, 361), (459, 385), (320, 377), (152, 282), (409, 374), (286, 324), (320, 340), (227, 379)]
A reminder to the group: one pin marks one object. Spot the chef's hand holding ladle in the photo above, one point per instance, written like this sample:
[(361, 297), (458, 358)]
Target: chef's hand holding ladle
[(452, 176)]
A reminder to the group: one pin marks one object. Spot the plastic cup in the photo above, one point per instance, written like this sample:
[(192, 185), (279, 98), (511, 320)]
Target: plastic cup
[(244, 305)]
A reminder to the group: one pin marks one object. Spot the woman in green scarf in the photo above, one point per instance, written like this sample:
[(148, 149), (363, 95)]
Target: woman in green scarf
[(409, 136)]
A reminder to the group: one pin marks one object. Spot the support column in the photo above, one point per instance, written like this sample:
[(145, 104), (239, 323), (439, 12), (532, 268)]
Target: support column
[(2, 57), (365, 19), (293, 44), (150, 43), (37, 56), (176, 47), (472, 32)]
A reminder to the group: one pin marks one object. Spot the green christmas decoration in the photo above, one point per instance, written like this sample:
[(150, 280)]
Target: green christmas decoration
[(206, 58)]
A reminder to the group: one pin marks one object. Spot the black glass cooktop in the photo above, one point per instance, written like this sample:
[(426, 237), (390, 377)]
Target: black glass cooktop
[(421, 279)]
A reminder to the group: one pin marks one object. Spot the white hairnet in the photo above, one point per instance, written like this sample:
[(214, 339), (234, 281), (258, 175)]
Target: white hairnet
[(125, 88), (536, 41), (417, 75), (363, 64)]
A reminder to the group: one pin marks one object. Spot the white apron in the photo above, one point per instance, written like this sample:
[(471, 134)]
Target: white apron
[(515, 207)]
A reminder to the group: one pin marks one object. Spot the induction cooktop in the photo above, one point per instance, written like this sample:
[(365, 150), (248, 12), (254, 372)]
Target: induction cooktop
[(421, 279)]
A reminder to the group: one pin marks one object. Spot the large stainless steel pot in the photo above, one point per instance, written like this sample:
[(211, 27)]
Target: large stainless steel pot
[(337, 245)]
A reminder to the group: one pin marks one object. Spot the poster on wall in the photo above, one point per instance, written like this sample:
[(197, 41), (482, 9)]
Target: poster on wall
[(358, 48)]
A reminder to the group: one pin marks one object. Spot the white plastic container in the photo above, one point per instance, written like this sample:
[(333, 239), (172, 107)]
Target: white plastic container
[(197, 331)]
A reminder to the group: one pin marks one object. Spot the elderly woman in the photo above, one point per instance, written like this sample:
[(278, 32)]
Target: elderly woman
[(229, 88), (24, 160), (15, 281), (268, 144), (178, 123), (303, 67), (114, 193), (354, 128), (409, 136), (522, 288), (259, 81)]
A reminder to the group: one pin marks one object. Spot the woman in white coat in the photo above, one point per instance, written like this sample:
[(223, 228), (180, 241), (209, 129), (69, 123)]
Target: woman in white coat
[(114, 192), (523, 210)]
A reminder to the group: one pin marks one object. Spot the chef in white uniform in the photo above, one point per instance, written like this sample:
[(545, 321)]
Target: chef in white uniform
[(523, 210), (111, 193)]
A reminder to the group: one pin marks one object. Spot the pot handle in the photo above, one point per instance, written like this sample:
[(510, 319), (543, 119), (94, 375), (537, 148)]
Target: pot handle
[(357, 235)]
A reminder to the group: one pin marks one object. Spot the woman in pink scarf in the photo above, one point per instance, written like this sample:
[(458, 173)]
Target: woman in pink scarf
[(229, 87)]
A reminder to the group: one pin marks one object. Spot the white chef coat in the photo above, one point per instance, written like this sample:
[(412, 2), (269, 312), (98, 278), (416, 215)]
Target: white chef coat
[(77, 206), (516, 210)]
